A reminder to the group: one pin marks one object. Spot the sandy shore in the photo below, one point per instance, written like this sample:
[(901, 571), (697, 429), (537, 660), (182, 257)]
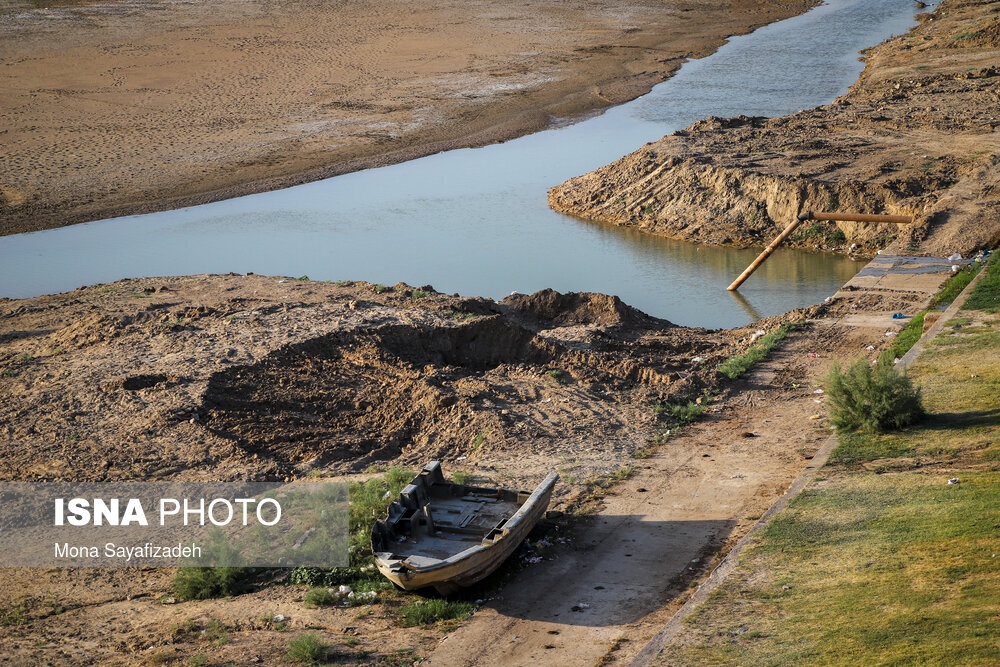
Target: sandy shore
[(124, 107)]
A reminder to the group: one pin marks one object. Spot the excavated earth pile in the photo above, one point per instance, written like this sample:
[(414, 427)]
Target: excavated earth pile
[(227, 377)]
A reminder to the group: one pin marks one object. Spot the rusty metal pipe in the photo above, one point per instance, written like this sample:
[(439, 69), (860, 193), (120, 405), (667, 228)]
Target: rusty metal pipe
[(812, 215), (856, 217), (764, 255)]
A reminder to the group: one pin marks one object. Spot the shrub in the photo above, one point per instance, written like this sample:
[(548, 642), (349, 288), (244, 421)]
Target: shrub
[(432, 611), (306, 648), (202, 583), (867, 399)]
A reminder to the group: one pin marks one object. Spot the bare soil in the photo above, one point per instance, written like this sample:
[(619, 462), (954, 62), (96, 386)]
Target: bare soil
[(263, 378), (916, 135), (125, 106)]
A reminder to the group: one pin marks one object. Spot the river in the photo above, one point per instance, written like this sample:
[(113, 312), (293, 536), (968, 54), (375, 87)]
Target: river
[(476, 221)]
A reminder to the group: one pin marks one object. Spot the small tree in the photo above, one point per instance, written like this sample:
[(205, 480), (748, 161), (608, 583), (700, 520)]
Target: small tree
[(872, 399)]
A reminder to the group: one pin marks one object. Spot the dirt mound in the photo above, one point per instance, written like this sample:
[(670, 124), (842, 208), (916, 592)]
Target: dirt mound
[(405, 392), (364, 394), (549, 308)]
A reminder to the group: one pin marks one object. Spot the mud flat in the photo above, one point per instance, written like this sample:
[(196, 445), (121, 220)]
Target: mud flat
[(123, 107), (915, 135)]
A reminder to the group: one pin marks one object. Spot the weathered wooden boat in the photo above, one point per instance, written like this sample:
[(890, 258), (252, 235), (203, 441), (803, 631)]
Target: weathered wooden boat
[(449, 536)]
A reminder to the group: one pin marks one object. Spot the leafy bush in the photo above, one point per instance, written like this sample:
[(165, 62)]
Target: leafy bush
[(432, 611), (867, 399), (306, 648), (202, 583)]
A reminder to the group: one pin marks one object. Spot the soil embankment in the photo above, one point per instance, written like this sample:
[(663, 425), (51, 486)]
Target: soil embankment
[(119, 107), (915, 135)]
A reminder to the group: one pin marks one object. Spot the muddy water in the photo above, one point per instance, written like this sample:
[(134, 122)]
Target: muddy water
[(475, 221)]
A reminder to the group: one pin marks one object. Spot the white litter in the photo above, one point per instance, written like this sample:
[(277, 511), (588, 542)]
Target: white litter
[(819, 391), (953, 480), (697, 359), (955, 258), (870, 348)]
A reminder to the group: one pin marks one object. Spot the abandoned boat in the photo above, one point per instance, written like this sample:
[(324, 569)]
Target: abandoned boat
[(449, 536)]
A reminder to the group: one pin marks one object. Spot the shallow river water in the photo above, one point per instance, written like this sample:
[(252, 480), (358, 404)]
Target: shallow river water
[(476, 221)]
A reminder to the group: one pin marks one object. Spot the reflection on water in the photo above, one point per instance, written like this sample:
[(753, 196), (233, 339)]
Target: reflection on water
[(476, 221)]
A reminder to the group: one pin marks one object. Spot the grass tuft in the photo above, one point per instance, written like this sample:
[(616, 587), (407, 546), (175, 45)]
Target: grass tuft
[(737, 366), (307, 649), (432, 611)]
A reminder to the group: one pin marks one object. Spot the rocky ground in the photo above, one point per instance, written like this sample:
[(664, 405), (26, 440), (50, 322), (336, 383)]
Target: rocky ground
[(916, 135)]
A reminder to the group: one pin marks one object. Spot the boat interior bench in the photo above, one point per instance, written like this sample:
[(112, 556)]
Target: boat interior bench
[(432, 515)]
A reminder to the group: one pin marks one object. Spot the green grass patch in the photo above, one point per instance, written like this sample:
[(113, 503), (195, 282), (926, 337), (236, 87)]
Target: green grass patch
[(737, 366), (954, 286), (461, 477), (426, 612), (871, 569), (986, 296), (880, 569), (854, 448), (307, 649), (907, 338)]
